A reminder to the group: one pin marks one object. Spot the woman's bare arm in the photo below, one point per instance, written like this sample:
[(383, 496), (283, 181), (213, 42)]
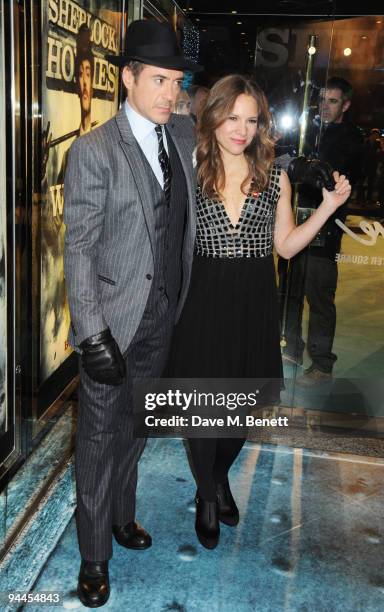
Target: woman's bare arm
[(289, 239)]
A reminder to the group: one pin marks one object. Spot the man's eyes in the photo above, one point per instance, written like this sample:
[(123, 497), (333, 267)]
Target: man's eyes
[(160, 81), (331, 101)]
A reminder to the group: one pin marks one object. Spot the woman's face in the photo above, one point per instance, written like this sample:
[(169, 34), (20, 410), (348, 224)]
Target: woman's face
[(238, 129)]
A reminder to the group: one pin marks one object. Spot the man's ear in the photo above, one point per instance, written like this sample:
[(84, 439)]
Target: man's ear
[(346, 105), (127, 77)]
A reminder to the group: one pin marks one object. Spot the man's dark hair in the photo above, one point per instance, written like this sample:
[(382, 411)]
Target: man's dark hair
[(135, 67), (342, 84), (83, 49)]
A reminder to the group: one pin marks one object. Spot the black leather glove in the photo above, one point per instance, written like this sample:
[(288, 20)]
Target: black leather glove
[(313, 172), (102, 359)]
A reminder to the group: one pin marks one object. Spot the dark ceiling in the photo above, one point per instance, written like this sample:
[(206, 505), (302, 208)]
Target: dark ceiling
[(238, 35), (282, 7)]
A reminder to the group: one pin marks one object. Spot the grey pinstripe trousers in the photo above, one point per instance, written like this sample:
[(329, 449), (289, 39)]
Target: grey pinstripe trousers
[(106, 453)]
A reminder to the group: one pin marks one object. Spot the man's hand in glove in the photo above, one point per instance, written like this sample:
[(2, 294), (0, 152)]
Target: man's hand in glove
[(312, 172), (102, 359)]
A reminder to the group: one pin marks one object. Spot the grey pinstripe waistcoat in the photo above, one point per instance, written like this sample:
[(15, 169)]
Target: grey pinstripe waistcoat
[(110, 236)]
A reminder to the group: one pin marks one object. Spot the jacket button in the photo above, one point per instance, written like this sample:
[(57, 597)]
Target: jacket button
[(149, 276)]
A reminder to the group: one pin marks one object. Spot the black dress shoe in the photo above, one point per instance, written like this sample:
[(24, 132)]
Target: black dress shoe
[(93, 585), (132, 535), (207, 522), (228, 511)]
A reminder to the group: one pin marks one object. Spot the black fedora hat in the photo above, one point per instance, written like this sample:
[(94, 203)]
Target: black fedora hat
[(154, 43)]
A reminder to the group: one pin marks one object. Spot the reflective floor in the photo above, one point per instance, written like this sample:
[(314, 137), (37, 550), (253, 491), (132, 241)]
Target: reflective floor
[(357, 386), (310, 538)]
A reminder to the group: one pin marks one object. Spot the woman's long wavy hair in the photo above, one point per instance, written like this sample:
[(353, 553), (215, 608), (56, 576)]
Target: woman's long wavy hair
[(259, 153)]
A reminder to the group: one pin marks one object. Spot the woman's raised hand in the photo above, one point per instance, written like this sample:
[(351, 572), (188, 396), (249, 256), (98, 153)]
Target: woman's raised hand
[(340, 194)]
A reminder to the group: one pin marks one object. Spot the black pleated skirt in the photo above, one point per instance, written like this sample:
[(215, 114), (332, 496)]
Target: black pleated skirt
[(229, 327)]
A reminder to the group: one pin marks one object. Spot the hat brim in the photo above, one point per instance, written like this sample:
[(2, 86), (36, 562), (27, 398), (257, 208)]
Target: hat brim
[(177, 62)]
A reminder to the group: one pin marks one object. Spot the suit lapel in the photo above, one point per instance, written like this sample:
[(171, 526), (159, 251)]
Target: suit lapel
[(185, 155), (131, 151)]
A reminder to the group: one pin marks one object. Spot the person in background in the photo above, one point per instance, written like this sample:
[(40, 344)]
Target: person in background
[(183, 103), (198, 95), (314, 270)]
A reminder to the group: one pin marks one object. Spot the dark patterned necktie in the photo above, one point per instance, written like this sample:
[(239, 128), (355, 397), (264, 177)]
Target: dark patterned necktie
[(164, 164)]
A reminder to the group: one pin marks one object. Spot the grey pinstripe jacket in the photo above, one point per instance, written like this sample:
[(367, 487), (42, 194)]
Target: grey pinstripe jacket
[(110, 235)]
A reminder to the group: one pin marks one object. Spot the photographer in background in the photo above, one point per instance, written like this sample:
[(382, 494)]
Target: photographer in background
[(314, 271)]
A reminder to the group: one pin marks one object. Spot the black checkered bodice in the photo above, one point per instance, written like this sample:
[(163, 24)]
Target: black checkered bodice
[(252, 236)]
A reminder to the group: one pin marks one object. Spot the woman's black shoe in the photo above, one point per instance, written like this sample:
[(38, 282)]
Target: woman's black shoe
[(228, 511), (93, 584), (207, 522)]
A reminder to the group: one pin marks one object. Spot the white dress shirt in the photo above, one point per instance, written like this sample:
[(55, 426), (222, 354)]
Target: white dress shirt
[(144, 131)]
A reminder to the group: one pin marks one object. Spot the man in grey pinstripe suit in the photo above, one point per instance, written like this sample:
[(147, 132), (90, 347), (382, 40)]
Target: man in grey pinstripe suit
[(129, 210)]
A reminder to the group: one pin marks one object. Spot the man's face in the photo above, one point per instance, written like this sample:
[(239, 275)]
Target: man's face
[(85, 85), (154, 92), (332, 105)]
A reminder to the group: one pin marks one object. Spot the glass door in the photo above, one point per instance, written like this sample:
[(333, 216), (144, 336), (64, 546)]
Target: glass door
[(342, 328), (12, 441), (323, 78)]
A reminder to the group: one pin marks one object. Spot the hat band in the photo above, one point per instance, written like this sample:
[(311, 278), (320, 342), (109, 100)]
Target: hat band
[(161, 50)]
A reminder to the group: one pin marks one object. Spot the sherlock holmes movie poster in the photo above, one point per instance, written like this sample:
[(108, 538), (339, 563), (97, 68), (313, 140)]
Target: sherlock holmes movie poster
[(80, 92)]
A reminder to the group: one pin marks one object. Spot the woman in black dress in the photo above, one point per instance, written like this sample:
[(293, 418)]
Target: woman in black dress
[(229, 327)]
